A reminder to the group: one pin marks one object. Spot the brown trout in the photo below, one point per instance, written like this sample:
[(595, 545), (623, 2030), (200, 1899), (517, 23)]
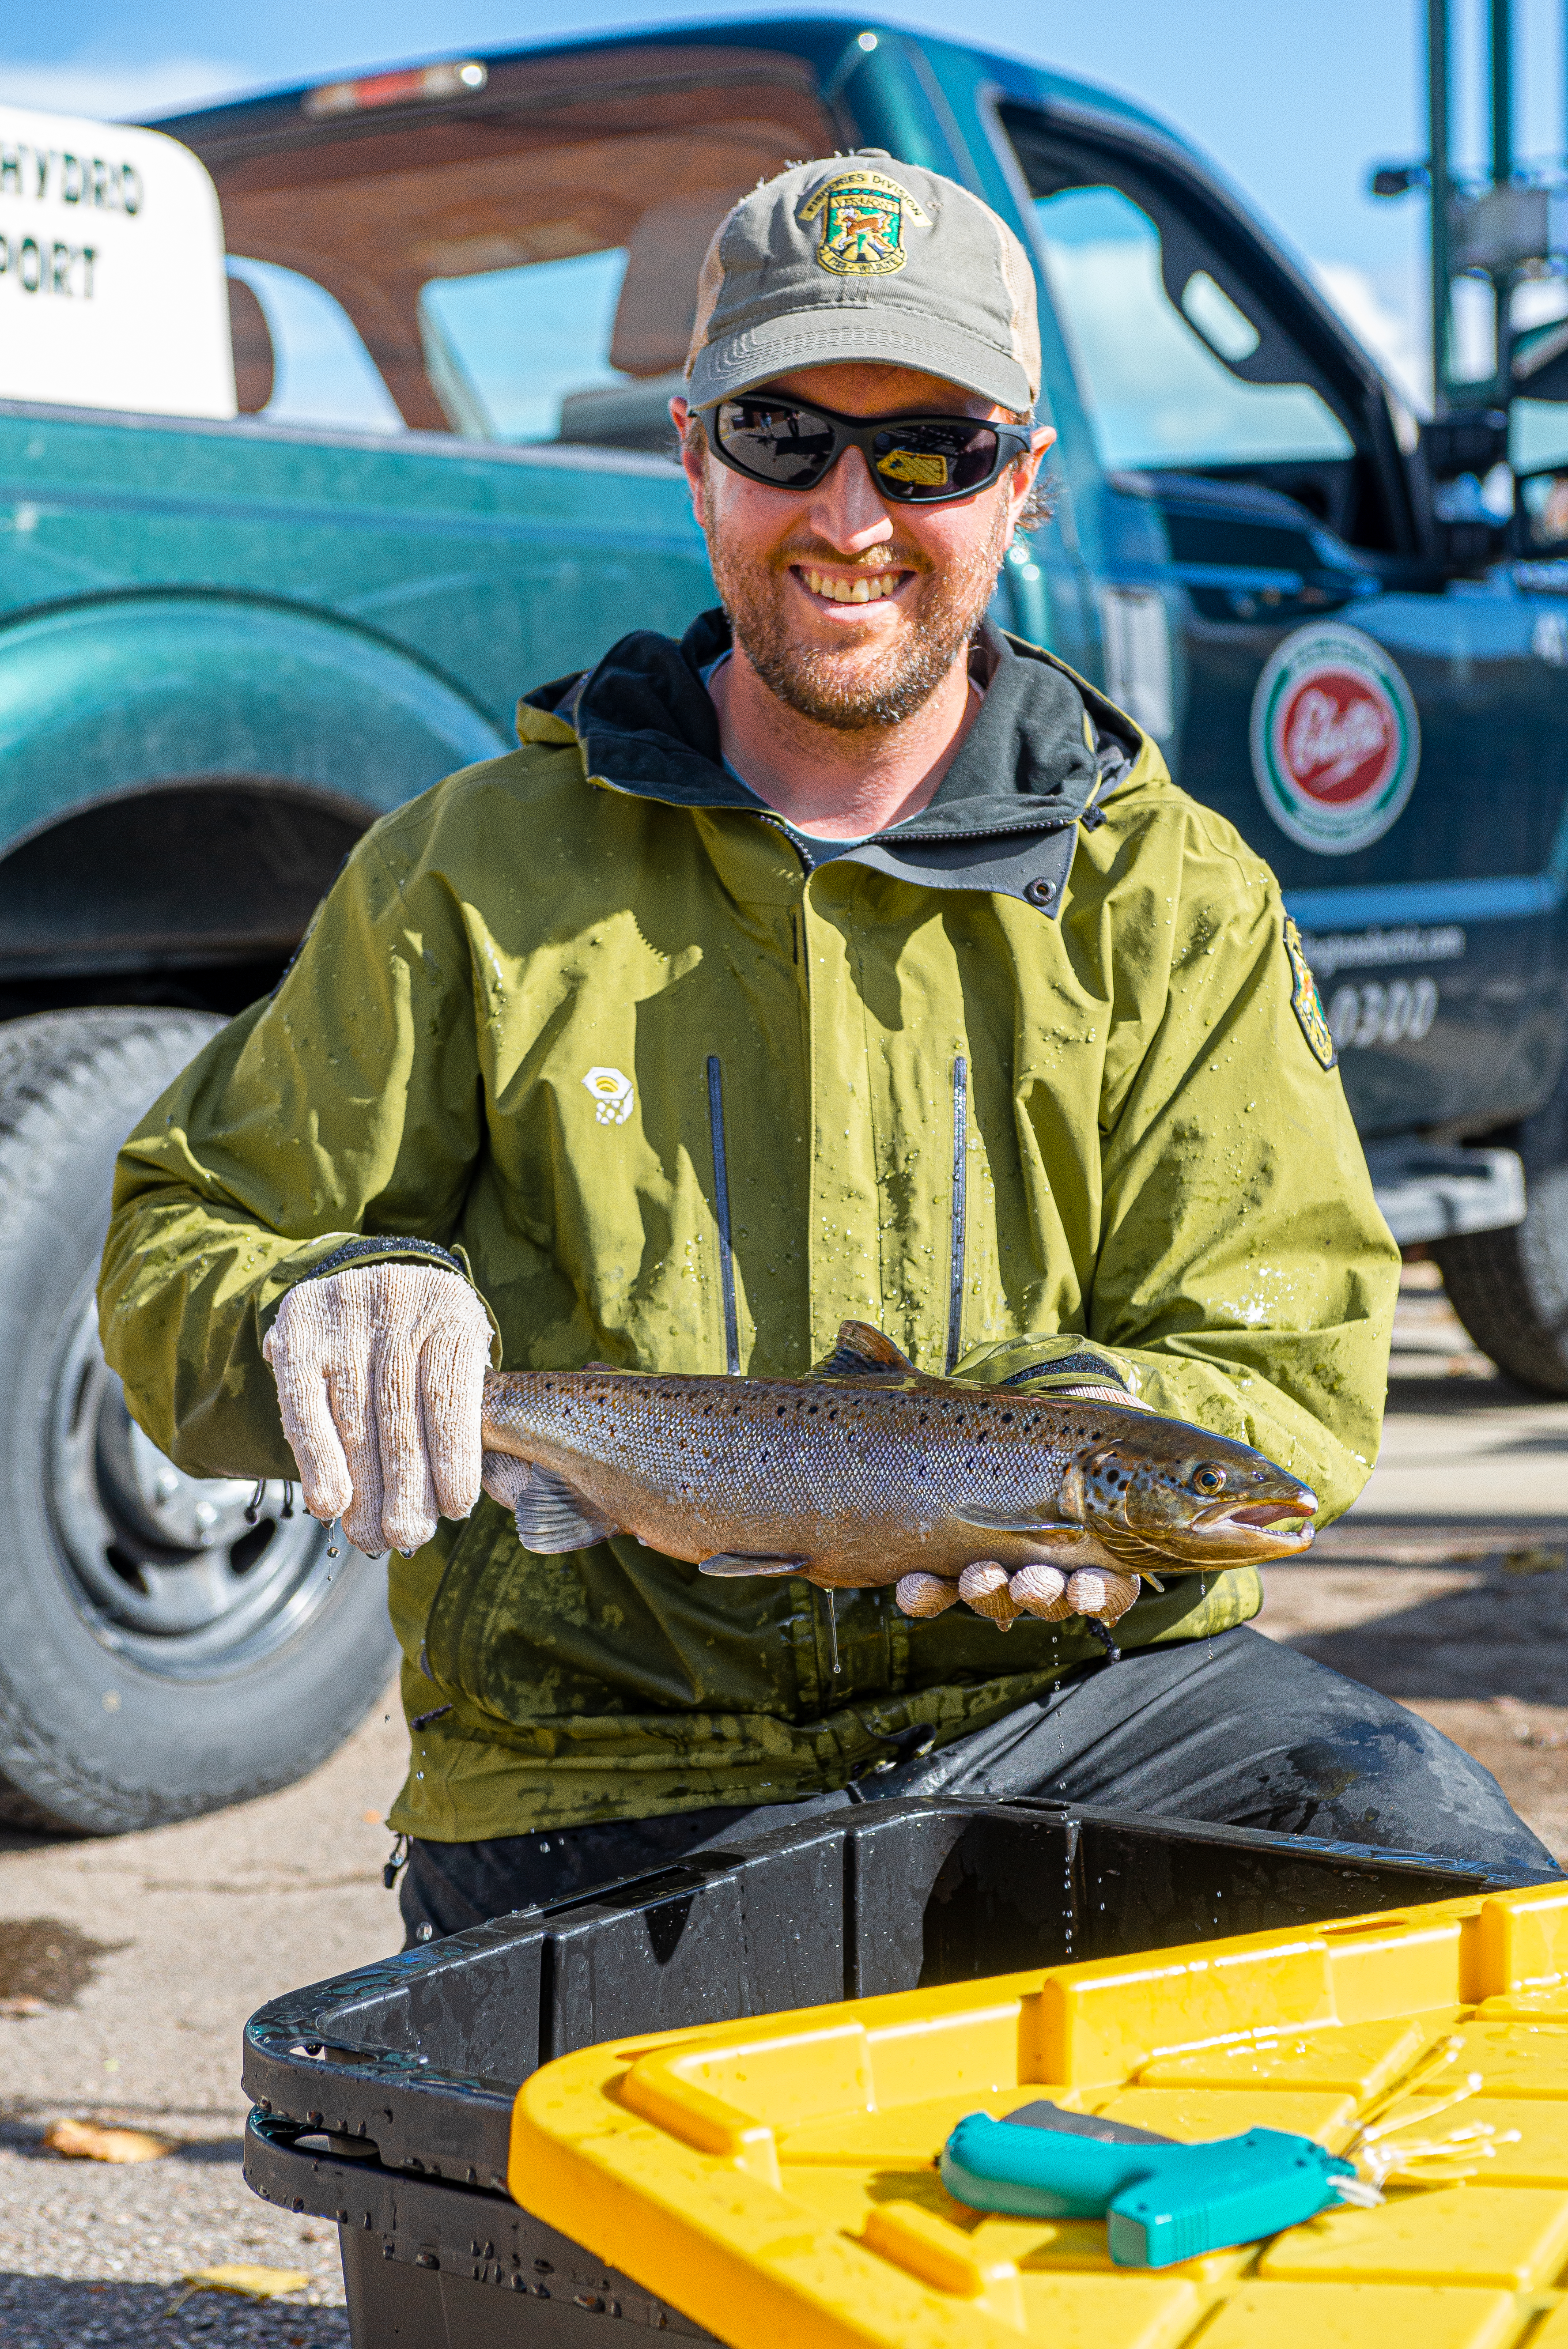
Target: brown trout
[(866, 1471)]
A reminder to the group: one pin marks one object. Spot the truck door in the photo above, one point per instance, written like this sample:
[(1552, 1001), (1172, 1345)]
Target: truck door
[(1391, 740)]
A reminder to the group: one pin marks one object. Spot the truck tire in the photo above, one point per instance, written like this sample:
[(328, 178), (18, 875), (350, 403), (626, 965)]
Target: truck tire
[(1509, 1288), (161, 1655)]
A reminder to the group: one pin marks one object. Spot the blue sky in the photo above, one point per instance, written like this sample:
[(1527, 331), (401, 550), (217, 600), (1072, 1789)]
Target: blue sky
[(1294, 102)]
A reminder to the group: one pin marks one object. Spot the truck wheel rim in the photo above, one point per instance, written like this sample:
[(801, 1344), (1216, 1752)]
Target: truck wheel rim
[(164, 1566)]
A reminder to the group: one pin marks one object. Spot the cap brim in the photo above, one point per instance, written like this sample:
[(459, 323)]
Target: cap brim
[(883, 336)]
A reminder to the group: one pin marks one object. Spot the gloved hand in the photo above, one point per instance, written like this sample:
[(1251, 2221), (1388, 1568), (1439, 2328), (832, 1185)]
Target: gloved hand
[(380, 1371)]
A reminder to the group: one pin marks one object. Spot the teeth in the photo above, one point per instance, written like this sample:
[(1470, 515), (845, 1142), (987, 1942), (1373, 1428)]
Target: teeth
[(863, 590)]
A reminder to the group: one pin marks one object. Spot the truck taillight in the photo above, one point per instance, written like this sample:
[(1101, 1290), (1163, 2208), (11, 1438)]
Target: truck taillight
[(457, 78)]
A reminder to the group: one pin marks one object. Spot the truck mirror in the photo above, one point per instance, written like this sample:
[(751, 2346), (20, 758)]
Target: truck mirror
[(111, 270), (1471, 440)]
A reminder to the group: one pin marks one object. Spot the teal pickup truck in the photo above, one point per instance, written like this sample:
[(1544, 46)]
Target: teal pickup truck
[(227, 645)]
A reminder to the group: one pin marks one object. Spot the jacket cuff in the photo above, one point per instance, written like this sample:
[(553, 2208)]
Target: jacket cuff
[(1065, 1363), (389, 1252), (365, 1249)]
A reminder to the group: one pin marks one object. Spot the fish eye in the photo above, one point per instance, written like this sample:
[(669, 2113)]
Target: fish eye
[(1209, 1479)]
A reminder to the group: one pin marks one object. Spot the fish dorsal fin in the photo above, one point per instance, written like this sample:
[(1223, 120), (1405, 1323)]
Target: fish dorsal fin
[(861, 1351)]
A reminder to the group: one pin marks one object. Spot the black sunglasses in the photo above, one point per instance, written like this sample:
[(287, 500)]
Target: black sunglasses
[(913, 461)]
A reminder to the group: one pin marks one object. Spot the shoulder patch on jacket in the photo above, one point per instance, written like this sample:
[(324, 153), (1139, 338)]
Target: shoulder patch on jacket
[(1305, 1000)]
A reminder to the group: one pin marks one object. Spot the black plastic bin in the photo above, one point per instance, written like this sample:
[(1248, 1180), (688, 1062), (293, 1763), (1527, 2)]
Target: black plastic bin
[(383, 2098)]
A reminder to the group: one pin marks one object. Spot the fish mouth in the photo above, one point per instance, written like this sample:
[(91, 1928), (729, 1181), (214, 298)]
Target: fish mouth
[(1266, 1514), (1284, 1525), (1251, 1530)]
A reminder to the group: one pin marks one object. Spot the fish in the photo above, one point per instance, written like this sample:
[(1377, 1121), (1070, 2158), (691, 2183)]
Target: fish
[(867, 1471)]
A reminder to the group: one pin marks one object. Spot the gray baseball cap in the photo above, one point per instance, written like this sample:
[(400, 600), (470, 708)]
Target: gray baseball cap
[(861, 257)]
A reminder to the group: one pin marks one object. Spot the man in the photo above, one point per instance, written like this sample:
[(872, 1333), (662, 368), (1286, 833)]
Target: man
[(846, 958)]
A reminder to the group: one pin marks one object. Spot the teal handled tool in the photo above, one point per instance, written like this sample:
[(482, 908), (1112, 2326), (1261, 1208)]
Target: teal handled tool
[(1161, 2200)]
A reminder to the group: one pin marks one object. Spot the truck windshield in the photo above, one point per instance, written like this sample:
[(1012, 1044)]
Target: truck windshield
[(1155, 375)]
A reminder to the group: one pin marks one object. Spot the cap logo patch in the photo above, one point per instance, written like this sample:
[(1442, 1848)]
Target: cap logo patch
[(863, 218)]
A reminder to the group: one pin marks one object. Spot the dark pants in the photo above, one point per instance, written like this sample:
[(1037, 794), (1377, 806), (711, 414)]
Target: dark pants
[(1241, 1732)]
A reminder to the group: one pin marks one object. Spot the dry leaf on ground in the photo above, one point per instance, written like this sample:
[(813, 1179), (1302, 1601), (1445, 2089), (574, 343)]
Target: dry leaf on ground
[(22, 2006), (257, 2282), (86, 2141)]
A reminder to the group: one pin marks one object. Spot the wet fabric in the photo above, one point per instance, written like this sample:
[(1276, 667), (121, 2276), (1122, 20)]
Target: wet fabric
[(545, 1002), (1238, 1732)]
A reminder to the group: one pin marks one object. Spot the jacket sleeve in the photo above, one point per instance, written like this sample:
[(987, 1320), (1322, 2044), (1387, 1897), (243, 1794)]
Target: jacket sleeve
[(1243, 1277), (347, 1103)]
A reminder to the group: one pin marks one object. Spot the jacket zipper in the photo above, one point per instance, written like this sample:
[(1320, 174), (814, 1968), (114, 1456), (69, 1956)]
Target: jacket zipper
[(955, 1282), (721, 1209)]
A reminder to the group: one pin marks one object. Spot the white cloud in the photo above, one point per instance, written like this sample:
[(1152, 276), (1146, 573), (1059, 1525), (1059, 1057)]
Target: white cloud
[(109, 90), (1389, 319)]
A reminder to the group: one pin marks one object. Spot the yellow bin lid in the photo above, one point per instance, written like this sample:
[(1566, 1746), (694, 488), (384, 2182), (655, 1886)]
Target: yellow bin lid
[(775, 2178)]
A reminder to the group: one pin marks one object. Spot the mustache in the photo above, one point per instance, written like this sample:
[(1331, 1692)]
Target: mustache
[(876, 559)]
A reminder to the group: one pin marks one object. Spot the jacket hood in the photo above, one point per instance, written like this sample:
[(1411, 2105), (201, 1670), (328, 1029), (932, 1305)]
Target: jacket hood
[(1043, 750)]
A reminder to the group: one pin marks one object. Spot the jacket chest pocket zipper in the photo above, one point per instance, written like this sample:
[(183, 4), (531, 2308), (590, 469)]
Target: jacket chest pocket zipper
[(956, 1235), (721, 1213)]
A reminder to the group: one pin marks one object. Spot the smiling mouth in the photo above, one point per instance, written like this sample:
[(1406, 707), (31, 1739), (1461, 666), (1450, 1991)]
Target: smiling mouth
[(865, 587)]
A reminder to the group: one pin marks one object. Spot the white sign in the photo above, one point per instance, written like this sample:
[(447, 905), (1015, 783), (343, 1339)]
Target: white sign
[(112, 286)]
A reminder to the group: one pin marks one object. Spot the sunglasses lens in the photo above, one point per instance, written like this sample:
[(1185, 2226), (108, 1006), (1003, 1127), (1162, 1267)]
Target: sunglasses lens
[(787, 446), (921, 462), (935, 460)]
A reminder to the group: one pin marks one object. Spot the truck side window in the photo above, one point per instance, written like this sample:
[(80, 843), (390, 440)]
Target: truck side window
[(1199, 348), (1157, 373)]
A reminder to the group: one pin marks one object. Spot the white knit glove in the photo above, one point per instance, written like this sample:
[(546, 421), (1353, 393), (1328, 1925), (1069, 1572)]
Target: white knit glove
[(380, 1370)]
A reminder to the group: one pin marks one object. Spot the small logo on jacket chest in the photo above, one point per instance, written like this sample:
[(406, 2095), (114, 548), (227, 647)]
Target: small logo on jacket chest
[(613, 1095)]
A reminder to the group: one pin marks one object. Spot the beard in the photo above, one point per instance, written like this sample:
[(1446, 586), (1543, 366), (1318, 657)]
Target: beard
[(856, 688)]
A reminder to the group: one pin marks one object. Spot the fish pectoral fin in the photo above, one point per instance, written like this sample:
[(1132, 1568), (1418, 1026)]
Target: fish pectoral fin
[(859, 1352), (1018, 1521), (553, 1516), (729, 1563)]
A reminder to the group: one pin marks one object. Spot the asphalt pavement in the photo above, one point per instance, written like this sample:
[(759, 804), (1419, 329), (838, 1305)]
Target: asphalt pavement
[(1447, 1586)]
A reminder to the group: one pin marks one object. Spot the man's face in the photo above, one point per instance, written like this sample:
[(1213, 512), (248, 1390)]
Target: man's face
[(789, 563)]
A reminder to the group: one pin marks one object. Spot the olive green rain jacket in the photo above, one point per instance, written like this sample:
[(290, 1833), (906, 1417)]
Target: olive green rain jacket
[(1035, 1065)]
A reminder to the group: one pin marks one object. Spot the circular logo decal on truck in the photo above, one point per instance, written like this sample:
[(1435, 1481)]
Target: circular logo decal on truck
[(1335, 740)]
